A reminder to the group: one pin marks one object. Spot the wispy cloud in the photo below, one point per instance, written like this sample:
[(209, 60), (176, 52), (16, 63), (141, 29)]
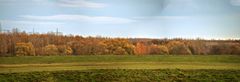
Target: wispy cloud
[(29, 22), (164, 17), (61, 3), (235, 2), (80, 3), (81, 18), (23, 0)]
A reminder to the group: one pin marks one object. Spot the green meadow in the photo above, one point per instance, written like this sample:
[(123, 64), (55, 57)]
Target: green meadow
[(119, 67)]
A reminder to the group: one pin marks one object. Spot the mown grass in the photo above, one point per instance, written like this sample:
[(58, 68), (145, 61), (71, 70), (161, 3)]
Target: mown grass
[(120, 58), (125, 75), (115, 65), (54, 63)]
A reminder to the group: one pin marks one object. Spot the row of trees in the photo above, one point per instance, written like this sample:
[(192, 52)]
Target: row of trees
[(23, 44)]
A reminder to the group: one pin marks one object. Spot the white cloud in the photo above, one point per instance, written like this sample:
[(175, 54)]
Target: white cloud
[(25, 0), (163, 17), (235, 2), (174, 17), (61, 3), (80, 3), (81, 18), (29, 22)]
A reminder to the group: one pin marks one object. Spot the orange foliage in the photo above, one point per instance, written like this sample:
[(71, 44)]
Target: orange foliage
[(21, 43), (141, 49)]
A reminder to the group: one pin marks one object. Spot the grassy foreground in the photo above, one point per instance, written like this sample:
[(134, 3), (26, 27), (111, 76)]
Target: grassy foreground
[(125, 68), (123, 75), (57, 63)]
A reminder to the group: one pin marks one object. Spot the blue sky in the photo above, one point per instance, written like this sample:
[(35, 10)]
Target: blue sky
[(126, 18)]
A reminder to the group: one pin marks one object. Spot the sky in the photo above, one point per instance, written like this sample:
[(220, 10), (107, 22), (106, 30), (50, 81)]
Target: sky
[(209, 19)]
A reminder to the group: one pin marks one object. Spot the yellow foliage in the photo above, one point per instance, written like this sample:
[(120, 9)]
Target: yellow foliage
[(24, 49), (158, 49), (51, 50)]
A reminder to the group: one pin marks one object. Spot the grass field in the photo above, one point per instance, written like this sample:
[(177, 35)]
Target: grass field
[(95, 66), (53, 63), (120, 58), (125, 75)]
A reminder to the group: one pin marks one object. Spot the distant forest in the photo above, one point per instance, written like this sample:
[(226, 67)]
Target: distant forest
[(25, 44)]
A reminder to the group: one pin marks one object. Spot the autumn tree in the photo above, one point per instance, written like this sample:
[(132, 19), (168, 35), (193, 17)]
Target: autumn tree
[(20, 43), (225, 48), (235, 49), (158, 49), (120, 51), (178, 47), (198, 47), (119, 46), (100, 48), (141, 49), (65, 50), (24, 49), (3, 45), (76, 47), (40, 51), (51, 50)]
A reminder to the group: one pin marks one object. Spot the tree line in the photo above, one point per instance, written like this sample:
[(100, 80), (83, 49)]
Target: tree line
[(24, 44)]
